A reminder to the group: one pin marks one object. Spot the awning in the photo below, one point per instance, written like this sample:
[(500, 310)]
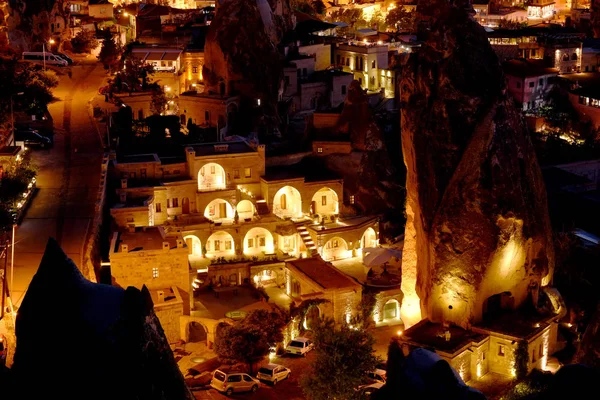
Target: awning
[(154, 56), (171, 56)]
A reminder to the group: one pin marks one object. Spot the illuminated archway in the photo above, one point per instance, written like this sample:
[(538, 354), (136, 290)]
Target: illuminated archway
[(211, 177), (335, 249), (245, 210), (325, 202), (369, 238), (219, 210), (193, 243), (220, 244), (313, 314), (287, 203), (258, 241)]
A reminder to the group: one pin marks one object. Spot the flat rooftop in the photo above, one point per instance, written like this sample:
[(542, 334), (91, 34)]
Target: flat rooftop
[(527, 69), (10, 150), (144, 239), (431, 335), (171, 295), (138, 158), (210, 149), (322, 273), (312, 169), (518, 324)]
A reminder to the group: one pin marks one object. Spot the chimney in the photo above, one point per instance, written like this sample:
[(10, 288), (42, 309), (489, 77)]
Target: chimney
[(131, 228), (160, 294), (124, 248), (166, 246), (179, 243), (124, 183)]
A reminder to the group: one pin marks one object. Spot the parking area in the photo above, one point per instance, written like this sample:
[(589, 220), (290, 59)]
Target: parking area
[(288, 389)]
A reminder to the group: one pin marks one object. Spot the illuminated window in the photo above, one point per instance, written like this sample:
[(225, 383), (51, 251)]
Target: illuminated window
[(323, 200), (217, 245), (335, 243), (283, 201), (228, 245), (319, 149), (250, 243), (352, 199), (248, 172), (154, 273), (501, 350), (262, 241)]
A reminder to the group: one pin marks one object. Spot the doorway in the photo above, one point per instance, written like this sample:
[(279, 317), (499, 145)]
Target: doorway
[(185, 206)]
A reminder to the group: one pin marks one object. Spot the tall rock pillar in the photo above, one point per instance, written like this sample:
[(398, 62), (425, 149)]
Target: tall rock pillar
[(478, 226)]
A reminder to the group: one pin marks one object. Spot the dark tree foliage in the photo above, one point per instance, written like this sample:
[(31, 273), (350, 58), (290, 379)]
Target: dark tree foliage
[(84, 42), (521, 359), (110, 52), (400, 18), (344, 356), (251, 339)]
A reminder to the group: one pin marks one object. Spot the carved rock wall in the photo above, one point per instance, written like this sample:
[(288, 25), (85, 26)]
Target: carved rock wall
[(476, 203)]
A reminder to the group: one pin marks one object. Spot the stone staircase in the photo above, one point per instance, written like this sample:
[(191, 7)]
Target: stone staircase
[(308, 242), (199, 280)]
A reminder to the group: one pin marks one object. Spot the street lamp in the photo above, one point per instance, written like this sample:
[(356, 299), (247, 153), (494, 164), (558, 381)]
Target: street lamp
[(51, 41), (12, 117)]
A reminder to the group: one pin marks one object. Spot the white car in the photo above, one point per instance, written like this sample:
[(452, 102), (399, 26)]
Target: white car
[(378, 375), (273, 373), (299, 346), (229, 382)]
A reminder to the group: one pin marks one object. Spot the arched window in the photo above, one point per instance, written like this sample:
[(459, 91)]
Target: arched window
[(565, 57), (574, 57), (283, 201)]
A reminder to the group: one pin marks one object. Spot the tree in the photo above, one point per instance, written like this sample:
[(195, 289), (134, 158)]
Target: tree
[(344, 356), (134, 77), (158, 103), (400, 18), (84, 42), (109, 53), (319, 7), (353, 17), (251, 339), (521, 360)]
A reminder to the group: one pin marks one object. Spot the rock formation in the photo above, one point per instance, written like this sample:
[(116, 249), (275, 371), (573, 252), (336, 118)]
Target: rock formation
[(368, 173), (29, 23), (477, 217), (240, 52), (78, 339)]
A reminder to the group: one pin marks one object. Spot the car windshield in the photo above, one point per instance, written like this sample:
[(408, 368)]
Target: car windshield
[(219, 376), (266, 371), (296, 343)]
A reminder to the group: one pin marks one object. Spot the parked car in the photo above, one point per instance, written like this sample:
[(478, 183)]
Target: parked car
[(368, 390), (65, 57), (38, 56), (230, 382), (273, 373), (299, 346), (32, 138), (378, 375)]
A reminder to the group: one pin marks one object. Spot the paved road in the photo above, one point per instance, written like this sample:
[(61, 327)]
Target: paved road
[(67, 180)]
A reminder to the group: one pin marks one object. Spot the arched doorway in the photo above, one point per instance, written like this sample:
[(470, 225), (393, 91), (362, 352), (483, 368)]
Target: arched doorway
[(211, 177), (266, 277), (245, 210), (196, 332), (287, 203), (220, 244), (258, 241), (325, 202), (369, 238), (313, 315), (193, 243), (335, 249), (391, 310), (219, 210), (185, 205)]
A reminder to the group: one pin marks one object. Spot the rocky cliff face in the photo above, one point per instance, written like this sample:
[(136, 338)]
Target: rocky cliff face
[(368, 173), (29, 23), (240, 51), (78, 339), (476, 204)]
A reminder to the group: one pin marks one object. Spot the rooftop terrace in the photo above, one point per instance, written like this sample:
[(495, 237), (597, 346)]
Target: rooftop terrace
[(322, 273), (429, 334)]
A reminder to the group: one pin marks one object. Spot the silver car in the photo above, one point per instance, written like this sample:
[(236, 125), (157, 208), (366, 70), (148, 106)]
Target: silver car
[(229, 382), (273, 373)]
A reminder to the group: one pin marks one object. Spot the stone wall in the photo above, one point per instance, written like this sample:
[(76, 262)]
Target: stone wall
[(169, 315), (325, 120), (127, 216)]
